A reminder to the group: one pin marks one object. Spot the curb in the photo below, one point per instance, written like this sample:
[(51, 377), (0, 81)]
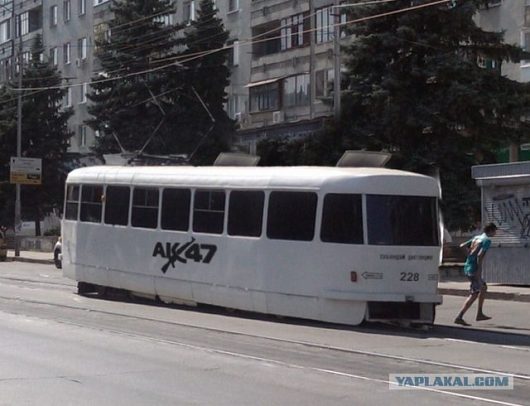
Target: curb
[(30, 260), (516, 297)]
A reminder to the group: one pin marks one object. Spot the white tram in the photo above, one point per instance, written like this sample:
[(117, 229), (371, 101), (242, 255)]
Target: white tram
[(324, 243)]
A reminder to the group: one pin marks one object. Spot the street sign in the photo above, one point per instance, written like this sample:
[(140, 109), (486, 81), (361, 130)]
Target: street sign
[(26, 171)]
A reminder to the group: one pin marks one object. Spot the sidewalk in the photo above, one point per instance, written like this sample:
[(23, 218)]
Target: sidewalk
[(451, 283), (31, 256)]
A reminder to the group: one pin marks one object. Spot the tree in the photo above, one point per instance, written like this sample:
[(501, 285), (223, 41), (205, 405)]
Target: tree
[(45, 135), (137, 89), (208, 75), (417, 85)]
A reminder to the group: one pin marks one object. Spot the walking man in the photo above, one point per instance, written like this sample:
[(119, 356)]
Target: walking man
[(478, 246)]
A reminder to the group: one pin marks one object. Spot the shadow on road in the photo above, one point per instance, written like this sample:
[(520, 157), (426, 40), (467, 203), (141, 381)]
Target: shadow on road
[(391, 329)]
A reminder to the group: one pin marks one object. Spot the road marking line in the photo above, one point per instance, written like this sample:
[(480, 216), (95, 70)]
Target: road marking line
[(341, 349), (338, 373)]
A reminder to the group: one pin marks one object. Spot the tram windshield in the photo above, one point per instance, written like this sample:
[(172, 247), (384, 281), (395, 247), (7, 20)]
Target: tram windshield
[(402, 220)]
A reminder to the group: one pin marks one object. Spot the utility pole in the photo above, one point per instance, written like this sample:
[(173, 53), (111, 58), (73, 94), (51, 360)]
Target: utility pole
[(18, 220), (336, 64), (312, 85)]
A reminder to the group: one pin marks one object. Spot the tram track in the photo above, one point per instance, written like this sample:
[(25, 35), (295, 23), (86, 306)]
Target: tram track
[(10, 279), (522, 376), (281, 352), (221, 340)]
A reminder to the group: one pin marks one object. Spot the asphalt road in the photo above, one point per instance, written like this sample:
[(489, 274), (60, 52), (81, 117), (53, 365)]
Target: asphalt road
[(60, 348)]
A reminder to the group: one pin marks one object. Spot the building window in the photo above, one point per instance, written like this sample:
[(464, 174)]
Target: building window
[(84, 91), (233, 5), (26, 56), (268, 41), (526, 41), (325, 20), (54, 16), (296, 90), (82, 7), (22, 24), (145, 208), (66, 53), (5, 31), (102, 34), (233, 58), (264, 97), (294, 31), (291, 216), (82, 135), (165, 20), (54, 56), (245, 213), (67, 101), (82, 48), (98, 2), (67, 11), (188, 11), (324, 25), (324, 83), (209, 211), (28, 21)]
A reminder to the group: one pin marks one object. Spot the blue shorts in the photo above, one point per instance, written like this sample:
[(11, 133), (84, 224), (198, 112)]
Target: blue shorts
[(477, 283)]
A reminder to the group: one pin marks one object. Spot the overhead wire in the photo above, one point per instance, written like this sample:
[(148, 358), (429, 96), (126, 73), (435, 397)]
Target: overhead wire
[(183, 59)]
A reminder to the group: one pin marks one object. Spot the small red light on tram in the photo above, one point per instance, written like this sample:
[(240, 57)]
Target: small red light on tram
[(353, 276)]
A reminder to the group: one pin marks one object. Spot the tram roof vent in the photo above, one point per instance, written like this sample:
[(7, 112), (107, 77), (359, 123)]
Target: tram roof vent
[(236, 159), (363, 159)]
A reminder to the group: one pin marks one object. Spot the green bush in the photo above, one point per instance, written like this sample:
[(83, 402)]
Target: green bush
[(53, 232)]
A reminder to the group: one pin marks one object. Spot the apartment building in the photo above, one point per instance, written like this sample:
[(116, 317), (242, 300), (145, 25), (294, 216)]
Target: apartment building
[(69, 29), (282, 59), (20, 22), (283, 56), (72, 27), (513, 18), (292, 64)]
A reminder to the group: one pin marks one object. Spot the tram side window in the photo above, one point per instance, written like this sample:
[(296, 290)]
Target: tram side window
[(209, 211), (117, 205), (342, 219), (145, 208), (402, 220), (176, 209), (245, 213), (291, 216), (72, 202), (91, 204)]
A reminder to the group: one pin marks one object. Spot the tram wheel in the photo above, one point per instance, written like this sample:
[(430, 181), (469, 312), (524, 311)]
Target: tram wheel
[(84, 288)]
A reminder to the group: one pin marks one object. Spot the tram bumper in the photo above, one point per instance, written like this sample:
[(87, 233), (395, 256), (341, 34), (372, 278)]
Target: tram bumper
[(411, 308), (414, 308)]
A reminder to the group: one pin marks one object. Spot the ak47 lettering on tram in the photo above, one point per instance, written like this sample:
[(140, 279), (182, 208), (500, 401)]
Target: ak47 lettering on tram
[(183, 252)]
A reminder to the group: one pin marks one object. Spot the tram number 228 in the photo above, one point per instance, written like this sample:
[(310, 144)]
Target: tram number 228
[(409, 276)]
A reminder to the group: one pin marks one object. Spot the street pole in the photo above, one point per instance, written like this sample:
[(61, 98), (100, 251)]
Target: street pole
[(336, 52), (312, 85), (18, 220)]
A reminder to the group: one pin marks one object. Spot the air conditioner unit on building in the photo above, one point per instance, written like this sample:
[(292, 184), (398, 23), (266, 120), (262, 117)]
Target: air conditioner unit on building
[(277, 117), (243, 119)]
